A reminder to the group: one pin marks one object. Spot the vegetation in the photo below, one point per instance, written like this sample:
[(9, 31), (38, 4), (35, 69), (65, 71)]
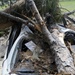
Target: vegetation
[(51, 6), (5, 3), (69, 5)]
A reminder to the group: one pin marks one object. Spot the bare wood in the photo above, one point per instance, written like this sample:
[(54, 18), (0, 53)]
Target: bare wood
[(18, 19), (40, 20), (36, 25), (11, 17), (63, 57)]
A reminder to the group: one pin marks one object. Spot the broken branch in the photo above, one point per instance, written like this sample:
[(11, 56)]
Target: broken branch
[(64, 64)]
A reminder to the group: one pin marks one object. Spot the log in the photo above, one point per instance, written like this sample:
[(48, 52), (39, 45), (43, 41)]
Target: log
[(13, 18), (20, 20), (63, 58), (18, 7)]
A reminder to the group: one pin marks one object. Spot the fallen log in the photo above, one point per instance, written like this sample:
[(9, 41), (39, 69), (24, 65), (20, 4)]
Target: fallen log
[(63, 58), (64, 64)]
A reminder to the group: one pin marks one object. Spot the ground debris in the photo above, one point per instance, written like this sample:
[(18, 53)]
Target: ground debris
[(45, 66)]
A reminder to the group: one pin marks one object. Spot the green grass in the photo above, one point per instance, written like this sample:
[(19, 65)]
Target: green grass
[(3, 7), (69, 5)]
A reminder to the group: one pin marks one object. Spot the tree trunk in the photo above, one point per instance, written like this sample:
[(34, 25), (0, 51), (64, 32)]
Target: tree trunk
[(63, 57)]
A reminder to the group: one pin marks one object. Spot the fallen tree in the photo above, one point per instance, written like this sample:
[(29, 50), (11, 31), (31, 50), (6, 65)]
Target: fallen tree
[(53, 35), (64, 63)]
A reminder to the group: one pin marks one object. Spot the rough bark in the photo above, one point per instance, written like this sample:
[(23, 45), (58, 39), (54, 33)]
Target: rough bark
[(18, 7), (13, 18), (63, 57), (20, 20)]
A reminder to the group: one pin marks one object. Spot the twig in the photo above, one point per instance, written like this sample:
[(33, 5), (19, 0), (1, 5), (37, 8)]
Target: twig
[(25, 17), (14, 18), (36, 25)]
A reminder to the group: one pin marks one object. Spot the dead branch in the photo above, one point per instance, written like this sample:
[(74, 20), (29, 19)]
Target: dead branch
[(13, 18), (69, 13), (18, 6), (36, 25), (64, 63)]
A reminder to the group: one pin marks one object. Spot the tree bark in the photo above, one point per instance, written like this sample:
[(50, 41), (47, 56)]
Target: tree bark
[(20, 20), (18, 7), (13, 18), (63, 57)]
